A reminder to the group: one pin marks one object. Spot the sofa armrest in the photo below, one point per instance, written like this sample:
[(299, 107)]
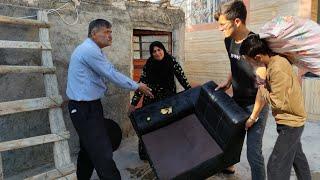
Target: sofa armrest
[(150, 118)]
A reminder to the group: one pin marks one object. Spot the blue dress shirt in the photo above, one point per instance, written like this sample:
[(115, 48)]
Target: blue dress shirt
[(88, 69)]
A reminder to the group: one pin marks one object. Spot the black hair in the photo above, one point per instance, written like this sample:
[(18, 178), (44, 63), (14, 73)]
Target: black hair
[(98, 23), (253, 45), (232, 9), (159, 45)]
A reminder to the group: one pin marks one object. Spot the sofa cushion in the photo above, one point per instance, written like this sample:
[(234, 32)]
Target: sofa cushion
[(179, 147)]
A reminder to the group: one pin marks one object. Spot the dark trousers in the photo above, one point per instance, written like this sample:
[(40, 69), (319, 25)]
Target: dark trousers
[(95, 147), (254, 144), (287, 152)]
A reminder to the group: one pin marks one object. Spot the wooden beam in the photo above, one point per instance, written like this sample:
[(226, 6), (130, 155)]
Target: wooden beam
[(24, 45), (33, 141), (61, 149), (25, 22), (55, 173), (5, 69), (25, 105)]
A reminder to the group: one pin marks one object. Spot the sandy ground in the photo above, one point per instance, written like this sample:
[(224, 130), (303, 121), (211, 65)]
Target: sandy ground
[(132, 168)]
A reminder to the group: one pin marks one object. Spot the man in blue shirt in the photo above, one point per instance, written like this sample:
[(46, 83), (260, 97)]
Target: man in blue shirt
[(89, 68)]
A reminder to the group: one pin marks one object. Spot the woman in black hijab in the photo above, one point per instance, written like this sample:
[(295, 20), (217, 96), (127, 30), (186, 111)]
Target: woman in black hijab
[(158, 73)]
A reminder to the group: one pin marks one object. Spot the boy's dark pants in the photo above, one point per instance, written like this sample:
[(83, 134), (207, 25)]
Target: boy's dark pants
[(288, 152)]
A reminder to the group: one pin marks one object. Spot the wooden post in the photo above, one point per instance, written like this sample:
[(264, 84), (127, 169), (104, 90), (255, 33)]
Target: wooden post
[(61, 148)]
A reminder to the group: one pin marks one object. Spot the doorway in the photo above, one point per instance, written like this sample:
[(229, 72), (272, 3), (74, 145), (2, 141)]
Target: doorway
[(140, 42)]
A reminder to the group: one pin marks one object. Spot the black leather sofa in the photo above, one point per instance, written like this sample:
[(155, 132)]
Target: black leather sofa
[(193, 134)]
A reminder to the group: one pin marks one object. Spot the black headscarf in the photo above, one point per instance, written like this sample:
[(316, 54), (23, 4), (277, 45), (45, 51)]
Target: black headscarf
[(159, 45), (160, 72)]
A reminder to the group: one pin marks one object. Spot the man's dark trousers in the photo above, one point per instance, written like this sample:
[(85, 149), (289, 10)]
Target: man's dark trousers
[(95, 147)]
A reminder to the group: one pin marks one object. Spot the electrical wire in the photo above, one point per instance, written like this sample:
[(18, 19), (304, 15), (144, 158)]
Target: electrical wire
[(50, 11), (75, 8)]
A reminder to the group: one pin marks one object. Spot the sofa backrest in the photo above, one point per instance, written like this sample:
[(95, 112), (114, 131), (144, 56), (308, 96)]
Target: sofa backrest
[(221, 116)]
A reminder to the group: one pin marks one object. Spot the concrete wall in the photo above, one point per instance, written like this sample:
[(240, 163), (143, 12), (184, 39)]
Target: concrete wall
[(125, 16)]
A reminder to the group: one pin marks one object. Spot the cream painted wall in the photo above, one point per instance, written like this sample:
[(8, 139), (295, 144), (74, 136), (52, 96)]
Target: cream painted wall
[(205, 55)]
